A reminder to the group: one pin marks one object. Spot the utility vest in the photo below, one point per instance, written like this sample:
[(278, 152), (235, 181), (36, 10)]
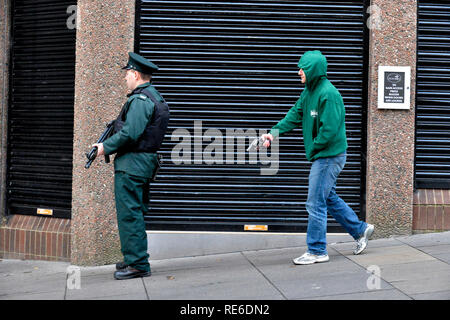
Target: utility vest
[(153, 135)]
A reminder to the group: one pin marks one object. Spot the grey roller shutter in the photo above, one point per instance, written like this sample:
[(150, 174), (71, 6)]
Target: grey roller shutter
[(432, 167), (40, 119), (233, 65)]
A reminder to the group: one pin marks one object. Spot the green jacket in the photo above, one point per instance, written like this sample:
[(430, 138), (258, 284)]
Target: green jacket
[(139, 112), (320, 110)]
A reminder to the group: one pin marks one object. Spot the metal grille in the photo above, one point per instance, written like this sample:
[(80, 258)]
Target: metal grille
[(233, 65), (433, 95), (41, 108)]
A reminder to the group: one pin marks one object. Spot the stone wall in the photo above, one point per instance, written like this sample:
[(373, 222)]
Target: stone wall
[(390, 133), (105, 35)]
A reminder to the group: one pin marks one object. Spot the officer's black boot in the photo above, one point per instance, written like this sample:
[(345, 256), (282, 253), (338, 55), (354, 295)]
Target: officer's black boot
[(130, 273), (121, 265)]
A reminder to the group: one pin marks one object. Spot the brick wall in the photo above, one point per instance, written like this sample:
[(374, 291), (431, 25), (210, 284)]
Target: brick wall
[(35, 238), (431, 210)]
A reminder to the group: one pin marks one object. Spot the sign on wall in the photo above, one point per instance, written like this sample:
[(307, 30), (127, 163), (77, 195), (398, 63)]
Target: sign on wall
[(394, 87)]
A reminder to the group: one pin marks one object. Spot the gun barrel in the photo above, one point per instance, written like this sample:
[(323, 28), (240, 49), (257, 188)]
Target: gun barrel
[(252, 145), (88, 164), (93, 152), (256, 143)]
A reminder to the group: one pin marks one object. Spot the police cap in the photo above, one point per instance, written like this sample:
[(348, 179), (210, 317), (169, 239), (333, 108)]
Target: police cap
[(139, 63)]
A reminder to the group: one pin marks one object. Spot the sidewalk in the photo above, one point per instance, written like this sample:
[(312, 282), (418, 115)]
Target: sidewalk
[(400, 268)]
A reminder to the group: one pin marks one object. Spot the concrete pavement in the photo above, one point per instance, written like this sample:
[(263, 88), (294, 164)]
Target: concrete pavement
[(413, 267)]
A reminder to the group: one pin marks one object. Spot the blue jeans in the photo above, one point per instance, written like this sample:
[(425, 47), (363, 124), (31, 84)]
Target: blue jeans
[(322, 198)]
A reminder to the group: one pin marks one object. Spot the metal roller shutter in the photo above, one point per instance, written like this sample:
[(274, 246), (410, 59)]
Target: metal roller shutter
[(233, 65), (433, 96), (40, 119)]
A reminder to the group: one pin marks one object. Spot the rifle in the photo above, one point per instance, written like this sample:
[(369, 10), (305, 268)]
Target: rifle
[(93, 153), (256, 144)]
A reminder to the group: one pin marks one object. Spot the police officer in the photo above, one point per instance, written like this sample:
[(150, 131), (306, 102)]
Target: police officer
[(140, 129)]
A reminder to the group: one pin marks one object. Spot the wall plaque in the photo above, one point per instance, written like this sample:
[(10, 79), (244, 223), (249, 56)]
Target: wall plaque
[(394, 87)]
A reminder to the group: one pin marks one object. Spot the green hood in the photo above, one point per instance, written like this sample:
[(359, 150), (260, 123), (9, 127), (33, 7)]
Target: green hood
[(319, 111), (314, 64)]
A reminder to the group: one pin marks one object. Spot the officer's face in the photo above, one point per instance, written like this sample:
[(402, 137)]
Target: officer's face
[(302, 75), (131, 78)]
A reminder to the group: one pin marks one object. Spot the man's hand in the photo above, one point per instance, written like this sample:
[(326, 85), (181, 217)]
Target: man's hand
[(100, 150), (269, 138)]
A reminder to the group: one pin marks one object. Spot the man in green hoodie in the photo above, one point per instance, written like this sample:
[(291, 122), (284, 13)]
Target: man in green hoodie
[(321, 113)]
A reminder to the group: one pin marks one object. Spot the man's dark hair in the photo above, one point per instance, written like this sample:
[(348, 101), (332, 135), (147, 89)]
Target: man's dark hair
[(145, 76)]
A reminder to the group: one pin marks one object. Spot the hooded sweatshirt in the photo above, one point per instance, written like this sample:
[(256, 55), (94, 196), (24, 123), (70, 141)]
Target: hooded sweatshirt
[(320, 110)]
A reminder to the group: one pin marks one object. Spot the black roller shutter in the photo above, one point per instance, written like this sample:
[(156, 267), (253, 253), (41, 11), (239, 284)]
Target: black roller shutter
[(40, 119), (233, 65), (433, 96)]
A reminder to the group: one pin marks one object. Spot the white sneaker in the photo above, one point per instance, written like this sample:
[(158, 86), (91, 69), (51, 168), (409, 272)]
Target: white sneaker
[(361, 244), (308, 258)]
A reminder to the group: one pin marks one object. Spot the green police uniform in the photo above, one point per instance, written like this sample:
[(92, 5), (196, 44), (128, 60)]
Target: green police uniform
[(133, 170)]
